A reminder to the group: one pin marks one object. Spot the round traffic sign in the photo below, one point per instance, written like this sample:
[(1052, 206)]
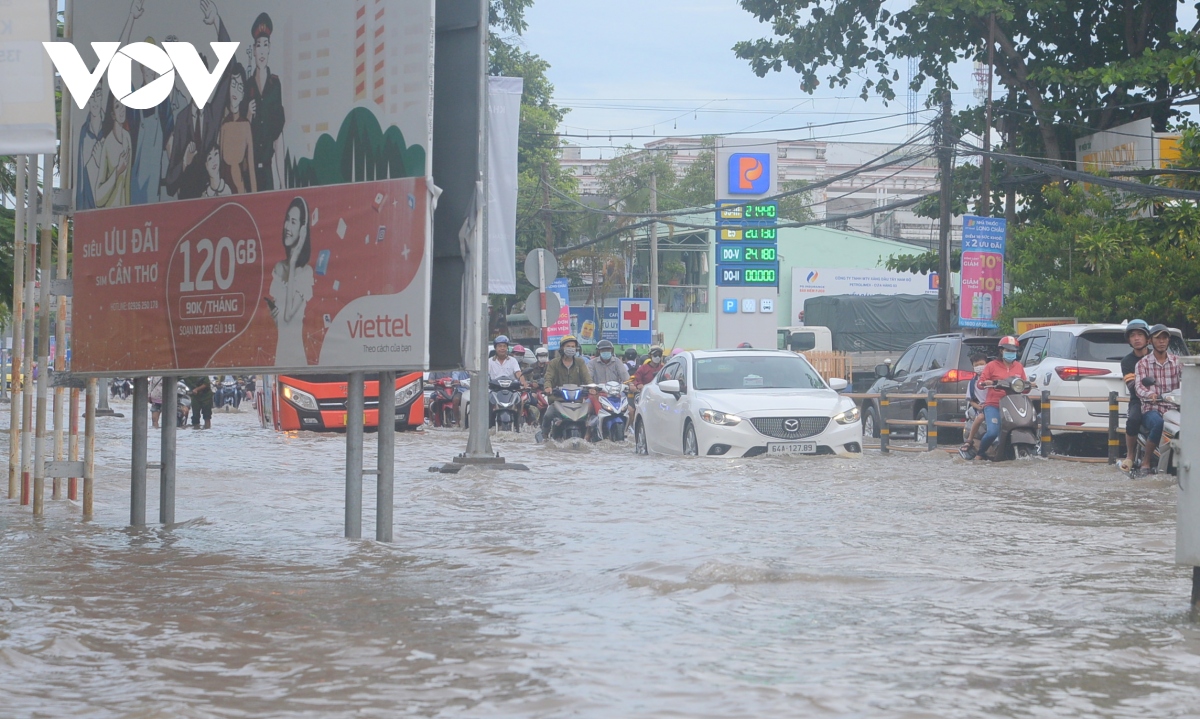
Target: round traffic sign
[(534, 260), (533, 308)]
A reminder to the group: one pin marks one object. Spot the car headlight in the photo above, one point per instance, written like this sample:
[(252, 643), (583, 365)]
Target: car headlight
[(407, 392), (300, 398), (850, 416), (714, 417)]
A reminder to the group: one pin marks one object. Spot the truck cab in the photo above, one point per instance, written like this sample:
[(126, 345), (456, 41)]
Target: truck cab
[(805, 339)]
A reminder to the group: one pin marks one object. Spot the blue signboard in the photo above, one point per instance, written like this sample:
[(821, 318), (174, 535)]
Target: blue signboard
[(749, 173), (633, 322), (729, 306)]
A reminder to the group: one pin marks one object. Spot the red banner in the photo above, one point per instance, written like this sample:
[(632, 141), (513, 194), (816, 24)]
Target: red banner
[(333, 277)]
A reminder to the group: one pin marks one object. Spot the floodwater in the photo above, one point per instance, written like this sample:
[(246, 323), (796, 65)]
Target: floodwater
[(598, 584)]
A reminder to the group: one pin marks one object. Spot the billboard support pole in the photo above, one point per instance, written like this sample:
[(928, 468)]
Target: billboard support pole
[(654, 257), (139, 466), (43, 341), (168, 420), (66, 177), (354, 455), (385, 480), (18, 327), (89, 449), (30, 350)]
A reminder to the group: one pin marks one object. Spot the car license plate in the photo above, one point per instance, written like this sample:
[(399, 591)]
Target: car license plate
[(792, 448)]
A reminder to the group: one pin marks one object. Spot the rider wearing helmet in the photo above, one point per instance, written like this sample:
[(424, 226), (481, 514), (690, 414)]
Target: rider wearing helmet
[(1137, 334), (567, 368), (537, 373), (631, 356), (996, 370), (503, 365), (1164, 368), (645, 373), (606, 367)]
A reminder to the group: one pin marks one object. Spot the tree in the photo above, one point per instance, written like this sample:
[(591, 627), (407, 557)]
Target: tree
[(1070, 67)]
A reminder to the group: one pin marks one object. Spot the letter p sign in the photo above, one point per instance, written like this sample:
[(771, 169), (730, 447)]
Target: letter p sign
[(118, 61)]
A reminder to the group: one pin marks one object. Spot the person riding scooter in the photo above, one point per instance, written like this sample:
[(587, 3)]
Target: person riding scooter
[(504, 366), (1137, 334), (1000, 369), (567, 368), (1164, 368)]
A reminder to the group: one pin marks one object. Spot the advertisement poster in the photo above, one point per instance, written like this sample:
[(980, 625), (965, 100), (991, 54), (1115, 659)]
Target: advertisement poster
[(328, 105), (816, 282), (562, 327), (588, 330), (982, 284), (329, 277), (27, 123)]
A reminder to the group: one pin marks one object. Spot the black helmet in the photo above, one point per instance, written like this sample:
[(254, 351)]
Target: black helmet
[(604, 345), (631, 353), (1159, 329)]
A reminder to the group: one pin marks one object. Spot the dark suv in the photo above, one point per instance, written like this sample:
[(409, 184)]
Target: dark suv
[(941, 363)]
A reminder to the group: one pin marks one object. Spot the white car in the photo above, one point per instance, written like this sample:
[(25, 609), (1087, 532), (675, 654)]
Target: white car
[(745, 403), (1081, 361)]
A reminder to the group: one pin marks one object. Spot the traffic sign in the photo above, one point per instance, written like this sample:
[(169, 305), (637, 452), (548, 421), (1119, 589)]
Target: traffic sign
[(633, 317), (533, 308)]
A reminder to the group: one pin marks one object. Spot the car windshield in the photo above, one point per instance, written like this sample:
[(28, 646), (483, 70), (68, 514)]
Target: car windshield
[(756, 372), (1101, 347)]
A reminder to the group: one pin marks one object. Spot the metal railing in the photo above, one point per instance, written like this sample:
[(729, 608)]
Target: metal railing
[(932, 422)]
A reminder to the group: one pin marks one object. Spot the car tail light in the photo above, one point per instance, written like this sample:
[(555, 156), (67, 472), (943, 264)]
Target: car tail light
[(1074, 374), (958, 375)]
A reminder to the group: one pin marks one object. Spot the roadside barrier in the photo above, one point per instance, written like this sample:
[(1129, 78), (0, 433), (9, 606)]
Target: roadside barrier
[(932, 401)]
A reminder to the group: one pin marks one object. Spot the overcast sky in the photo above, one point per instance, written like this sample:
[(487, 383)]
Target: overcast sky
[(666, 67)]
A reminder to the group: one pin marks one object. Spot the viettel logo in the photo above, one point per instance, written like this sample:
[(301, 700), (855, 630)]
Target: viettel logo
[(812, 276), (118, 61), (749, 173)]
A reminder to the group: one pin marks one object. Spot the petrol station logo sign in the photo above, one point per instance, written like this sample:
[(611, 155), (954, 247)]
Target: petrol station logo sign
[(749, 173)]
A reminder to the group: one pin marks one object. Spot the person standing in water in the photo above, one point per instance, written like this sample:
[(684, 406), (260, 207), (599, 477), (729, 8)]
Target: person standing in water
[(292, 287)]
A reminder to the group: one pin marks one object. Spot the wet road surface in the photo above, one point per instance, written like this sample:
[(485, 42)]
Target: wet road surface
[(599, 584)]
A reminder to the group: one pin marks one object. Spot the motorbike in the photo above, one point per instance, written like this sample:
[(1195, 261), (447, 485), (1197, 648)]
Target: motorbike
[(183, 403), (611, 420), (440, 404), (569, 413), (534, 404), (1168, 451), (505, 400), (121, 388), (1018, 424), (226, 395)]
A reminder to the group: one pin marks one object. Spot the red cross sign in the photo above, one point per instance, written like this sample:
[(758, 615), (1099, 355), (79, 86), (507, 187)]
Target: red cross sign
[(634, 316), (634, 326)]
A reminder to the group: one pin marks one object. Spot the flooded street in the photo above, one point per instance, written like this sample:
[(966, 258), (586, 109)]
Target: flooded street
[(599, 584)]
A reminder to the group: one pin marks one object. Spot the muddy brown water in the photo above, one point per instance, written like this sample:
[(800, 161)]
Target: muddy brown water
[(598, 584)]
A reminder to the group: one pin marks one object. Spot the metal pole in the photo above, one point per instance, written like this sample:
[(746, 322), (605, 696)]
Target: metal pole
[(985, 200), (1114, 418), (931, 430), (29, 351), (66, 178), (73, 447), (385, 481), (946, 164), (89, 449), (354, 455), (885, 430), (137, 484), (43, 340), (18, 322), (102, 405), (166, 487), (1047, 438), (654, 255)]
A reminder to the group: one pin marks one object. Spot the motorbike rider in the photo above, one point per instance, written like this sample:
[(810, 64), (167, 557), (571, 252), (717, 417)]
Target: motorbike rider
[(567, 368), (645, 374), (606, 367), (537, 373), (975, 398), (1165, 369), (996, 370), (503, 365), (631, 359), (1137, 334)]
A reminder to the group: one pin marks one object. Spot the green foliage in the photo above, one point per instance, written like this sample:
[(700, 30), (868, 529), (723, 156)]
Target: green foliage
[(798, 207), (922, 264), (7, 221), (362, 152)]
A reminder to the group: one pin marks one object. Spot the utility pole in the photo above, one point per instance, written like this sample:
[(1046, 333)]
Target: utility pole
[(985, 199), (946, 168), (654, 255), (546, 219)]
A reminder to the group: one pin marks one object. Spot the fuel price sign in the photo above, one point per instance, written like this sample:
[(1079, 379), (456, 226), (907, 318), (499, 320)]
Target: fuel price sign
[(748, 275), (736, 253), (756, 212)]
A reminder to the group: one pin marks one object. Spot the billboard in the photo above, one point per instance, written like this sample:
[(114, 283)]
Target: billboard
[(588, 330), (808, 282), (325, 110), (26, 80), (982, 279), (1134, 145), (562, 326), (330, 277)]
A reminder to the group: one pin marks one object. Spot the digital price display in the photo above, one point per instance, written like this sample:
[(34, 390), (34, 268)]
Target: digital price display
[(748, 275), (752, 234), (762, 212), (738, 253)]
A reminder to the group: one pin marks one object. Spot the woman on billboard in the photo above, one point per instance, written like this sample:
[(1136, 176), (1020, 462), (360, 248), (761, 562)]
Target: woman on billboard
[(292, 287)]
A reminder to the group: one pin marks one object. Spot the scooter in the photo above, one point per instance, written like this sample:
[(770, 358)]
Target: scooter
[(121, 388), (611, 419), (569, 413), (533, 402), (505, 400), (226, 395), (1018, 424), (1169, 450), (183, 403), (440, 404)]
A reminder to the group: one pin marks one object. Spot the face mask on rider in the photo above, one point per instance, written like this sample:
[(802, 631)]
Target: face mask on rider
[(656, 359), (1009, 356), (606, 356), (569, 351)]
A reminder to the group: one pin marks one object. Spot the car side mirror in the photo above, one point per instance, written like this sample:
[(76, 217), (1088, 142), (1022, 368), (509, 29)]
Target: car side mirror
[(671, 386), (883, 370), (837, 384)]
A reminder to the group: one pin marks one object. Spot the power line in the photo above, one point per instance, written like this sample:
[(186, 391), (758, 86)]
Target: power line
[(622, 135)]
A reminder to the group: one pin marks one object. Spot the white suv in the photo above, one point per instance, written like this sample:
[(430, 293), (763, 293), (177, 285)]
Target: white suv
[(1081, 361)]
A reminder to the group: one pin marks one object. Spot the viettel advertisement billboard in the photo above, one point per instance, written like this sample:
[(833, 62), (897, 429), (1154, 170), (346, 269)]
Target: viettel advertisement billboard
[(323, 108), (330, 277)]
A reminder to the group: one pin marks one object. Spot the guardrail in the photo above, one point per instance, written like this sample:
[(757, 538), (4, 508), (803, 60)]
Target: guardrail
[(1114, 430)]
